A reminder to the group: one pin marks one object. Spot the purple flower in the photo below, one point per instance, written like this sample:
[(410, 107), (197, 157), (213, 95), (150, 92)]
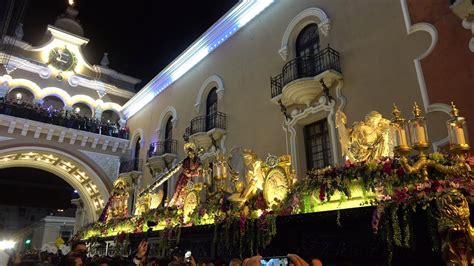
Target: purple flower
[(322, 192), (400, 172)]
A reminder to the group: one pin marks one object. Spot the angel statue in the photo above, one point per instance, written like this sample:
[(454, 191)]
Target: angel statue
[(254, 179), (367, 140)]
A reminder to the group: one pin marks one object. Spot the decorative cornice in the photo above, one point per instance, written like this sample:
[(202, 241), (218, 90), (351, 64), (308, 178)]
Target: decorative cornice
[(73, 80), (222, 30)]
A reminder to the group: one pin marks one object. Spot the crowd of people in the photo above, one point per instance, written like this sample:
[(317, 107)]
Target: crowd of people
[(78, 256), (64, 118)]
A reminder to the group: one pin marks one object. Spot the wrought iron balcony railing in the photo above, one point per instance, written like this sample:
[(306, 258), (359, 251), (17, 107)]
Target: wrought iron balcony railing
[(162, 147), (207, 122), (131, 165), (305, 67)]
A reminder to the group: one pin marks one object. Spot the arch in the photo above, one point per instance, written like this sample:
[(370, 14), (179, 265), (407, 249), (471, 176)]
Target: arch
[(81, 98), (138, 133), (56, 104), (57, 92), (211, 82), (304, 18), (24, 83), (27, 95), (67, 99), (168, 112), (112, 107), (84, 109), (110, 115), (75, 172)]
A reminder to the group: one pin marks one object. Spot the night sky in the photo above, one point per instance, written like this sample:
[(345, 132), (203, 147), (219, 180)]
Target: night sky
[(30, 187), (141, 37)]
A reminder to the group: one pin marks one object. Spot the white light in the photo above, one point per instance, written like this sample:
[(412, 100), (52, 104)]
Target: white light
[(19, 96), (235, 19), (258, 7), (77, 110), (196, 58), (75, 191), (7, 244)]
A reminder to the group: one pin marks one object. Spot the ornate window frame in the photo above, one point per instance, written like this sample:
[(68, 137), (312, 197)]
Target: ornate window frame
[(299, 118), (138, 133), (211, 82), (168, 112), (304, 18)]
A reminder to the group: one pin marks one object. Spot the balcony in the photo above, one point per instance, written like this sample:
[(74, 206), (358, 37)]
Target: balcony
[(299, 82), (133, 165), (161, 155), (204, 129), (62, 119)]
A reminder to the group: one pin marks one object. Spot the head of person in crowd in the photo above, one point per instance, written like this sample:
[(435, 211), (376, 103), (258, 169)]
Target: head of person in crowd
[(235, 262)]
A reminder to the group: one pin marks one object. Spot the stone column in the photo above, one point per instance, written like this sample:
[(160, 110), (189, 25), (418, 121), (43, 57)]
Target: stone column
[(80, 214), (122, 123), (98, 113)]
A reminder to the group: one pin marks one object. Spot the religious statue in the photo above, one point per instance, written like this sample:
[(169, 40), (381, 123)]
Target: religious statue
[(455, 229), (117, 205), (192, 168), (367, 140), (254, 177)]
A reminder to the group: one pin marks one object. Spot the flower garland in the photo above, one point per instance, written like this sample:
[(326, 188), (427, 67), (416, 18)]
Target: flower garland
[(395, 194)]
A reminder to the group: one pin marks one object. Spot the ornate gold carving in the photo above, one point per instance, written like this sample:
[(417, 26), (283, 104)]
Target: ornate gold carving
[(455, 229), (367, 140)]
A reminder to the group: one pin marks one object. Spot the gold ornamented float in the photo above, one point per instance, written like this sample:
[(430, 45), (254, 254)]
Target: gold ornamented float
[(379, 171)]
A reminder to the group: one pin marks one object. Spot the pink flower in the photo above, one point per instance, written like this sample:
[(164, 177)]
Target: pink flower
[(401, 195), (348, 164), (295, 203), (387, 167), (436, 186)]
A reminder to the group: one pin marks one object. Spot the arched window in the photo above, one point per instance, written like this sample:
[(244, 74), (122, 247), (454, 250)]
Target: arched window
[(168, 135), (307, 45), (82, 109), (211, 109), (169, 129), (136, 158), (53, 103), (307, 42), (20, 95)]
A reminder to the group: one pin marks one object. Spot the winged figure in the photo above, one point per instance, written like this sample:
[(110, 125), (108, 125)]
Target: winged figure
[(366, 140)]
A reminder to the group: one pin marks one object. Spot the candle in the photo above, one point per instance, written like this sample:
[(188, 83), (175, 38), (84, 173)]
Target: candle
[(460, 135), (224, 170), (219, 170), (420, 134), (403, 138)]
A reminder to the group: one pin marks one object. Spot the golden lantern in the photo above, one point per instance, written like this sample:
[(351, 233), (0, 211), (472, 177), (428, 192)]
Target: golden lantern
[(457, 131), (418, 130), (399, 127)]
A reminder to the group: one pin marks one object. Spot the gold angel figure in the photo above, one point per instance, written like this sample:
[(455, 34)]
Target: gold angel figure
[(367, 140)]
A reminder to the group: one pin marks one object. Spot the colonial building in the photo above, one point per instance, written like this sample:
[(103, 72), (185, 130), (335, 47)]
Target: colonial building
[(270, 75), (61, 114)]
